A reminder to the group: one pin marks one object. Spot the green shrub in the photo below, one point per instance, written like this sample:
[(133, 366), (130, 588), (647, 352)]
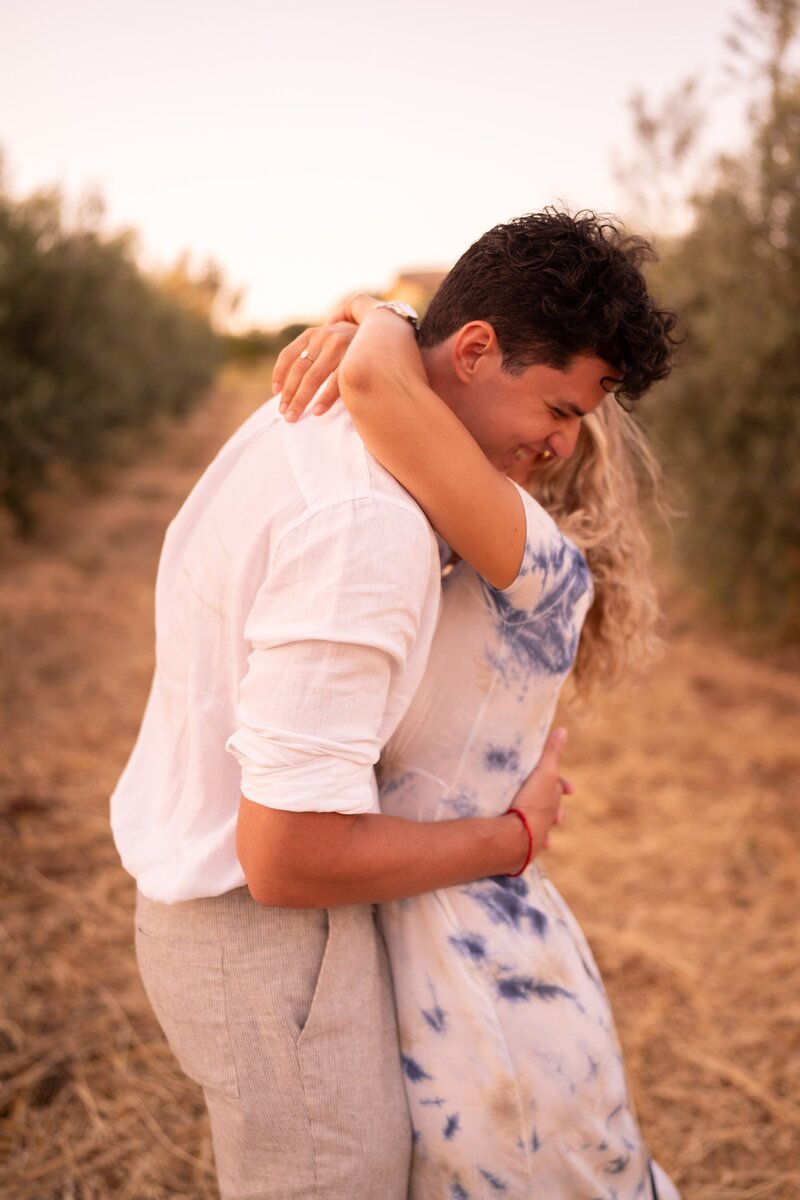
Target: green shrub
[(258, 344), (88, 345), (728, 420)]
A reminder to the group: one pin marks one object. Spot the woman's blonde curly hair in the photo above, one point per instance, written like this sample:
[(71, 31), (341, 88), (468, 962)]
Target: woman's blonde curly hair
[(595, 496)]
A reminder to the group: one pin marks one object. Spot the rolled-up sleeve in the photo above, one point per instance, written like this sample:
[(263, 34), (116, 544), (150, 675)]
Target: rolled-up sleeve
[(331, 625)]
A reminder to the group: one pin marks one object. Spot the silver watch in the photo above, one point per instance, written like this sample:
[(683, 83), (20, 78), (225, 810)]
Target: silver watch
[(402, 309)]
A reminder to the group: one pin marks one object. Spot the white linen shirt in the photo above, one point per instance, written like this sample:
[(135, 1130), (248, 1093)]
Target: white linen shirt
[(296, 598)]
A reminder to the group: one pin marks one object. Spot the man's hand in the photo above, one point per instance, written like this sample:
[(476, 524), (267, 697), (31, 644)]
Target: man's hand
[(314, 357), (540, 797), (323, 859)]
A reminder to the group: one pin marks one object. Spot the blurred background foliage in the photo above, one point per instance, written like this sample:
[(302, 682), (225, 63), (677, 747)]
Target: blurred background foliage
[(727, 423), (89, 344), (258, 344)]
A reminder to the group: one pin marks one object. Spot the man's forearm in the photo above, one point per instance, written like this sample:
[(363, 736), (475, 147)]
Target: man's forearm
[(322, 860)]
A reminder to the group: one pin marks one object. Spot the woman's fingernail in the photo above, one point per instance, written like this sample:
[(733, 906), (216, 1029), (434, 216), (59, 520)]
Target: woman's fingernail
[(276, 387)]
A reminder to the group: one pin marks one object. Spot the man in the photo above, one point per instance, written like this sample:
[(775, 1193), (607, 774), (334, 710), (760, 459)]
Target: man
[(296, 600)]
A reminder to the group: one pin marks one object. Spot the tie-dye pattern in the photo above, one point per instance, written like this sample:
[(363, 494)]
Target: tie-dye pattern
[(513, 1068)]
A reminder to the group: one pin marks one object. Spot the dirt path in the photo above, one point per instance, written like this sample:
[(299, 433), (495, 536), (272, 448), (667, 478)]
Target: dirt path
[(679, 857)]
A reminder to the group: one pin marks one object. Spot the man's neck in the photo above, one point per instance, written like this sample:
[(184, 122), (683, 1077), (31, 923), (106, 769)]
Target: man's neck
[(438, 368)]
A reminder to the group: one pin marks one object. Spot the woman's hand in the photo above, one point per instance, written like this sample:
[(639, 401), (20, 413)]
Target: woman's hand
[(540, 797), (314, 357), (306, 363)]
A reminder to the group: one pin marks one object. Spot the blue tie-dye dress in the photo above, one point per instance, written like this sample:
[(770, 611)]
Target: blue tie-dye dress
[(513, 1068)]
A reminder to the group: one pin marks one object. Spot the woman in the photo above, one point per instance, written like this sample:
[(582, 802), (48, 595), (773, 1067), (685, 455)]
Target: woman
[(514, 1073)]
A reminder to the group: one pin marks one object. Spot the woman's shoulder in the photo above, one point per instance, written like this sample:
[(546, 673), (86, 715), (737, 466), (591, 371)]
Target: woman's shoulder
[(553, 569)]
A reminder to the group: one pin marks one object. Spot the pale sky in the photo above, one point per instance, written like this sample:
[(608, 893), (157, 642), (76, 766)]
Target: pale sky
[(316, 148)]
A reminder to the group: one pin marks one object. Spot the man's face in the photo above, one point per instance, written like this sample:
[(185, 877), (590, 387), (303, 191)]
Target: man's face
[(522, 417), (515, 419)]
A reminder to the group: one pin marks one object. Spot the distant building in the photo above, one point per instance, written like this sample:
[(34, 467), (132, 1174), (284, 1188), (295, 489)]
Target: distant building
[(416, 287)]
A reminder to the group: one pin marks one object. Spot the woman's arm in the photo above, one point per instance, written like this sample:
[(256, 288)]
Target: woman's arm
[(413, 433)]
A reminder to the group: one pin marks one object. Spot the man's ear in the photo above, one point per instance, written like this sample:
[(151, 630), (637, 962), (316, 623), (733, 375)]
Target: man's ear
[(474, 345)]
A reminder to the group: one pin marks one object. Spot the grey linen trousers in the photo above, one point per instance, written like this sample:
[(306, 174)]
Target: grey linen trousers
[(285, 1017)]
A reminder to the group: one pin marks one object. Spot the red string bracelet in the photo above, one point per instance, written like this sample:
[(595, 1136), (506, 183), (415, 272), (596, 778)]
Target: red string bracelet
[(517, 812)]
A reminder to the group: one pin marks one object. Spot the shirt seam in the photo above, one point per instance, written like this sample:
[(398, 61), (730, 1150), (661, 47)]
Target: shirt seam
[(415, 513)]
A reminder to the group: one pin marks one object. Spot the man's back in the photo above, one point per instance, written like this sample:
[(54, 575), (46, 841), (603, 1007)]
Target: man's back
[(296, 597)]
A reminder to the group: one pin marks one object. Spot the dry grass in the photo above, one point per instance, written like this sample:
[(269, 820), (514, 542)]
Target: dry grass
[(680, 858)]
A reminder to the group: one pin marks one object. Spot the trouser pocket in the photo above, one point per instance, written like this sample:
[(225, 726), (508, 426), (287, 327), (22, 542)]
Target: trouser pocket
[(349, 1062)]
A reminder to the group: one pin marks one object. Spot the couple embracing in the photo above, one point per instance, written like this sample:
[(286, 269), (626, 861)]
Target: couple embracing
[(371, 977)]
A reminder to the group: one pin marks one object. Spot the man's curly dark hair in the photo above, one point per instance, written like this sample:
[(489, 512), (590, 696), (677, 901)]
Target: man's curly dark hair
[(553, 285)]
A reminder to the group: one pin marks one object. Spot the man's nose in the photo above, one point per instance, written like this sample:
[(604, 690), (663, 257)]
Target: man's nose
[(563, 441)]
